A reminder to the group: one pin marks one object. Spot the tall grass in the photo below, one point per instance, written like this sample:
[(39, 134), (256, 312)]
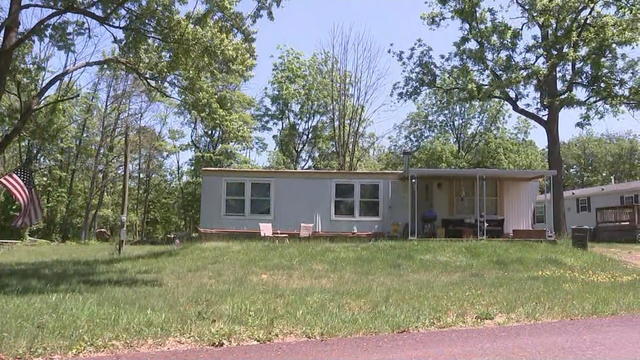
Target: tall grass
[(76, 298)]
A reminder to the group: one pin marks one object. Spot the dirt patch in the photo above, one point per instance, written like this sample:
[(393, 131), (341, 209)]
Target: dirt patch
[(630, 256)]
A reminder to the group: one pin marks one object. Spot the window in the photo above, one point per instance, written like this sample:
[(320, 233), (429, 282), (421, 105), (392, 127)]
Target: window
[(583, 205), (356, 200), (247, 198), (491, 196), (260, 199), (539, 214), (344, 203), (234, 201), (369, 200), (630, 199), (465, 196)]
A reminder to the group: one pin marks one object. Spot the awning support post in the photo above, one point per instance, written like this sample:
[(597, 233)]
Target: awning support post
[(484, 206), (553, 230), (478, 206), (413, 207)]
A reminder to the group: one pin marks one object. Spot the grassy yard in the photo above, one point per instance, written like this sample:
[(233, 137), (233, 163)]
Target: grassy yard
[(61, 299)]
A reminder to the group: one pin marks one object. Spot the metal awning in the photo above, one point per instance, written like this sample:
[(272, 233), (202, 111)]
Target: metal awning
[(493, 173)]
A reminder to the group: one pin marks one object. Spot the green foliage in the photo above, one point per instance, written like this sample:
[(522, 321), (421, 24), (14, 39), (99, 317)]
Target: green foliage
[(535, 55), (162, 65), (448, 132), (320, 107), (295, 105), (592, 160)]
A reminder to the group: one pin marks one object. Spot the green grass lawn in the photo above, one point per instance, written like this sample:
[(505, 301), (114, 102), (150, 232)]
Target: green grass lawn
[(61, 299)]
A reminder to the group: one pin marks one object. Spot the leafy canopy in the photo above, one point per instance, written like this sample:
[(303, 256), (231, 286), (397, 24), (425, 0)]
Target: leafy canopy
[(295, 104), (539, 56)]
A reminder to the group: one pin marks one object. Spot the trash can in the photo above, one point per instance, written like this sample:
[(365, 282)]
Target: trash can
[(580, 236)]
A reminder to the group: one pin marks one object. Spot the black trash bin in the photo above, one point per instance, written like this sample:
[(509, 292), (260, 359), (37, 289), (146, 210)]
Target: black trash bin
[(580, 236)]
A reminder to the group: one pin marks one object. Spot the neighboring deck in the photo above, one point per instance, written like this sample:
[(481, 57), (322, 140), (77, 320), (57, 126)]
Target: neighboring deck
[(618, 223)]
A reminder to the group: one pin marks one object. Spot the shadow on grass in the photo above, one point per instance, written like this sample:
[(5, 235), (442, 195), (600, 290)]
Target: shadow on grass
[(76, 275)]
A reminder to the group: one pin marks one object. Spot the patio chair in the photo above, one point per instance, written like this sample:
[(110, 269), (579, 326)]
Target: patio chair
[(266, 231), (306, 230)]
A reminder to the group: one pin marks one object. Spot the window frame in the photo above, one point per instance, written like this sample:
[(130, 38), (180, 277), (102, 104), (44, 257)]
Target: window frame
[(586, 205), (633, 198), (535, 214), (356, 200), (247, 198), (458, 183), (488, 198), (225, 198), (477, 186)]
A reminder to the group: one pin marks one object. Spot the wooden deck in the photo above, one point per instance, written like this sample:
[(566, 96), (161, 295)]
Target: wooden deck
[(231, 233), (220, 234), (617, 224)]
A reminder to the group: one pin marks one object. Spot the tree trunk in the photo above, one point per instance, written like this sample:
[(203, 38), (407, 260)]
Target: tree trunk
[(139, 178), (182, 201), (65, 227), (11, 29), (25, 116), (554, 159), (145, 206), (96, 163)]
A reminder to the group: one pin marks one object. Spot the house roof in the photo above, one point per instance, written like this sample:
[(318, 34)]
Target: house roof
[(603, 189), (496, 173), (303, 173)]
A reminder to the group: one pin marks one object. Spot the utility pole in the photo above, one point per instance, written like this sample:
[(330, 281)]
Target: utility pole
[(125, 190)]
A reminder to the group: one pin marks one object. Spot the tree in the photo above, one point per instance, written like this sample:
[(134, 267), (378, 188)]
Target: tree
[(174, 50), (447, 117), (296, 104), (447, 131), (356, 74), (539, 57), (592, 160)]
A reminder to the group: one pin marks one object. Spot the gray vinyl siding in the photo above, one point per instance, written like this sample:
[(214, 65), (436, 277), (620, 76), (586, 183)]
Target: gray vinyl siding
[(301, 200)]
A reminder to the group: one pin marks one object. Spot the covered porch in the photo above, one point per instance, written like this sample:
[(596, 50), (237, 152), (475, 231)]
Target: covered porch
[(475, 203)]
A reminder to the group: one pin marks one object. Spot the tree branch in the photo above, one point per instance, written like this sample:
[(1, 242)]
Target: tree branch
[(58, 12), (56, 101), (520, 110)]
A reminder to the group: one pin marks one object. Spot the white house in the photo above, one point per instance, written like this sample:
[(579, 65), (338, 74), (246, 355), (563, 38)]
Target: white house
[(385, 202), (581, 204)]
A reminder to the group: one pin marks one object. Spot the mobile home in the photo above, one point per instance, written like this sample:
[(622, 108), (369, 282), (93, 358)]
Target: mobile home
[(461, 201), (580, 204)]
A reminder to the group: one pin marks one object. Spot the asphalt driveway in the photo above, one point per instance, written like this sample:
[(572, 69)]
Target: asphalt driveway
[(598, 338)]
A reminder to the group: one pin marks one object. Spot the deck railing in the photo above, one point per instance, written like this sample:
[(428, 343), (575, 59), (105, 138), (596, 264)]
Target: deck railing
[(622, 214)]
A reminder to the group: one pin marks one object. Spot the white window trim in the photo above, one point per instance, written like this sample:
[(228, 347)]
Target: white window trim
[(356, 200), (247, 198), (586, 205)]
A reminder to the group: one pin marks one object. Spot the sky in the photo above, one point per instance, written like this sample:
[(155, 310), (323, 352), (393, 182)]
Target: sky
[(305, 25)]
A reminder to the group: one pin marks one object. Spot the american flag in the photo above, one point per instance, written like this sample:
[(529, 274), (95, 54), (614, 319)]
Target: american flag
[(21, 187)]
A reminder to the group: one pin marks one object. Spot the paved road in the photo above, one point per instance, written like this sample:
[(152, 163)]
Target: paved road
[(607, 338)]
